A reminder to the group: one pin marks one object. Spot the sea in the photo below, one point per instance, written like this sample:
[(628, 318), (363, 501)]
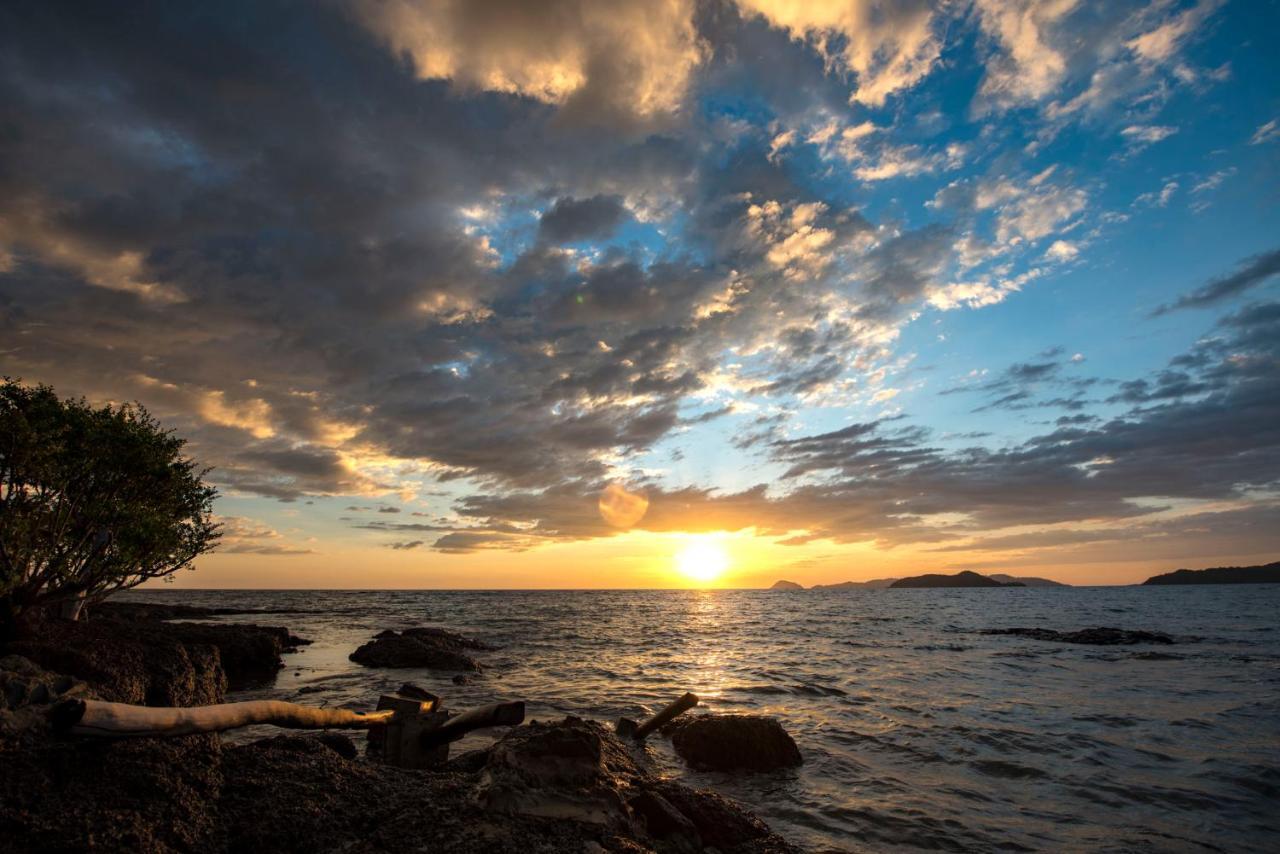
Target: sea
[(918, 731)]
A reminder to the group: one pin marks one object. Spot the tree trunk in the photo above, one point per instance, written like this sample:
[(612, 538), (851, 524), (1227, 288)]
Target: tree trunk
[(70, 609)]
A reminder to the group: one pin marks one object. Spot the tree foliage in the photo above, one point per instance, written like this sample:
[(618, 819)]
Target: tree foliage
[(92, 500)]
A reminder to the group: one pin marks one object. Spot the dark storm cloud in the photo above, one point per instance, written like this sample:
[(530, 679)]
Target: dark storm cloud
[(1249, 274), (571, 220)]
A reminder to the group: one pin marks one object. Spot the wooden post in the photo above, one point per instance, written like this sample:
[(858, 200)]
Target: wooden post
[(628, 728)]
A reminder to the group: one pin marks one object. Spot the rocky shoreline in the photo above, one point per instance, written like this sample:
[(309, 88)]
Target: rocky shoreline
[(568, 785)]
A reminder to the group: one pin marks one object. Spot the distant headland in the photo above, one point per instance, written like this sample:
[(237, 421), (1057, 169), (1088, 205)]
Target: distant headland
[(960, 579), (1265, 574)]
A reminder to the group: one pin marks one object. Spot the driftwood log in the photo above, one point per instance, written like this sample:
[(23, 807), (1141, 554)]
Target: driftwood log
[(120, 720), (628, 728)]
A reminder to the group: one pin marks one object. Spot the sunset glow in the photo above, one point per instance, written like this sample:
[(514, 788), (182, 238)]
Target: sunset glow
[(702, 560)]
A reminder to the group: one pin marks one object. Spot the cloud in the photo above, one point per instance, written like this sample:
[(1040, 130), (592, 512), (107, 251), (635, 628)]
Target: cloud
[(571, 220), (363, 261), (1265, 133), (888, 48), (627, 59), (1164, 42), (1250, 273), (1029, 68), (247, 536), (1141, 136)]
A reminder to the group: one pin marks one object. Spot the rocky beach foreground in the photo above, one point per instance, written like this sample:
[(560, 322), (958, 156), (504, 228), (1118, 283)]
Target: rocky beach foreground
[(566, 785)]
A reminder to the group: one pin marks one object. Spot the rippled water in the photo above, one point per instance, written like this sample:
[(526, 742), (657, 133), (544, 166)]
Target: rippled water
[(917, 732)]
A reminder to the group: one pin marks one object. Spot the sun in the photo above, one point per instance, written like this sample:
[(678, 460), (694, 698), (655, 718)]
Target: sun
[(702, 560)]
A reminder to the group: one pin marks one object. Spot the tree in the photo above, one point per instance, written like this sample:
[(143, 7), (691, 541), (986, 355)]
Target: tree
[(92, 500)]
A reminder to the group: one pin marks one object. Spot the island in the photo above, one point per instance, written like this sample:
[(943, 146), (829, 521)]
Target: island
[(874, 584), (1265, 574), (960, 579), (1026, 580)]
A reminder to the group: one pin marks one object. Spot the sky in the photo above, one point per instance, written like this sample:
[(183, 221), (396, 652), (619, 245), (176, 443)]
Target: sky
[(665, 293)]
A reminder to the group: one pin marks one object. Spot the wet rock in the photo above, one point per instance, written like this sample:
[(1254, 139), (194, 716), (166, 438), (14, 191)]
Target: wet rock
[(558, 771), (436, 648), (728, 742), (444, 637), (1101, 636), (463, 679), (250, 655)]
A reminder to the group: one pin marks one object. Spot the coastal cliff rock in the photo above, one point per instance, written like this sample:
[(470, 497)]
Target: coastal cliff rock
[(728, 742), (127, 662), (148, 661), (426, 646), (1100, 636)]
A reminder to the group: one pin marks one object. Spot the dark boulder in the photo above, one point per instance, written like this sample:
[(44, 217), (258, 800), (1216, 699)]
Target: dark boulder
[(1101, 636), (432, 648), (250, 655), (729, 742), (444, 637)]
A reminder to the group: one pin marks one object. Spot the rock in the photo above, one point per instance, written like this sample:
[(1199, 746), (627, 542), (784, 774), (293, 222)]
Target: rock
[(1101, 636), (435, 648), (335, 741), (299, 794), (250, 654), (157, 663), (719, 821), (727, 742), (27, 692), (463, 679), (143, 795), (444, 637), (132, 611), (128, 662), (786, 585), (661, 819)]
